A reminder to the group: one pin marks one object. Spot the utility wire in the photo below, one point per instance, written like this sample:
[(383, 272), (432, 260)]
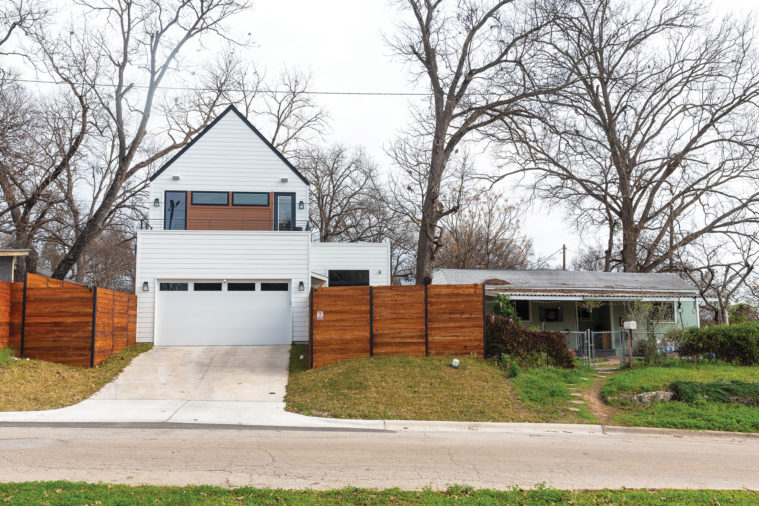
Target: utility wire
[(264, 90)]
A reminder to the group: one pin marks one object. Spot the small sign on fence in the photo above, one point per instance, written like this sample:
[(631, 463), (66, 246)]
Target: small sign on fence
[(320, 315)]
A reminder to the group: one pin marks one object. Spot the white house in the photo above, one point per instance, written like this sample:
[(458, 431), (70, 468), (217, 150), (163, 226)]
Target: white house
[(227, 257)]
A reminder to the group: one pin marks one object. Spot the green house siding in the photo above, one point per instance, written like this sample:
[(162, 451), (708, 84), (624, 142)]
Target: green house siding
[(604, 318)]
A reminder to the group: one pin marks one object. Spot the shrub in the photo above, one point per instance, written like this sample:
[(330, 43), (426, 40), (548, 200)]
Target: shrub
[(732, 343), (505, 336), (504, 306), (510, 365)]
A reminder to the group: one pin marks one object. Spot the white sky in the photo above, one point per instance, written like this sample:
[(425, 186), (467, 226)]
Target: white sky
[(340, 42)]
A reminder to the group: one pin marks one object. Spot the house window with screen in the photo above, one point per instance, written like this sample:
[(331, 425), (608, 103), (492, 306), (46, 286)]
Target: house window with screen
[(348, 278)]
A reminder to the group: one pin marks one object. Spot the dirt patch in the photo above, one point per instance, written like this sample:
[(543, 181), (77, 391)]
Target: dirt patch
[(604, 413)]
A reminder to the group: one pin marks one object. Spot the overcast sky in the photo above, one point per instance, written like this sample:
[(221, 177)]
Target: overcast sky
[(340, 42)]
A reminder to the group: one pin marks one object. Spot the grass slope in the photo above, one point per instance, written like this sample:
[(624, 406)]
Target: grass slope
[(29, 385), (59, 492), (428, 388), (699, 415), (546, 391)]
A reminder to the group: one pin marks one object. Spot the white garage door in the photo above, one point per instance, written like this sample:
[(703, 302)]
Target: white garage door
[(233, 313)]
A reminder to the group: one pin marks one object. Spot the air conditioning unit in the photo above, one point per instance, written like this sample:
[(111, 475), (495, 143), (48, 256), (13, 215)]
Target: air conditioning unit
[(551, 314)]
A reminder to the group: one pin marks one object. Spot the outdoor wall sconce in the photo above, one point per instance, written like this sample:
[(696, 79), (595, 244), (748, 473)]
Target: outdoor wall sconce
[(145, 286), (175, 178), (301, 286), (301, 205), (157, 202), (284, 180)]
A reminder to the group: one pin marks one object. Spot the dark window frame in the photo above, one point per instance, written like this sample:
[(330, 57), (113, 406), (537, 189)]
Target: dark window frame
[(166, 203), (275, 287), (241, 284), (171, 286), (276, 209), (192, 198), (518, 310), (268, 200), (207, 286), (353, 281)]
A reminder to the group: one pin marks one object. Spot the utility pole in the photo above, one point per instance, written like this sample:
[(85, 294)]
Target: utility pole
[(564, 256)]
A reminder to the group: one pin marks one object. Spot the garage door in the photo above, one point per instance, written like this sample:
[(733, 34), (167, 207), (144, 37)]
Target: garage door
[(232, 313)]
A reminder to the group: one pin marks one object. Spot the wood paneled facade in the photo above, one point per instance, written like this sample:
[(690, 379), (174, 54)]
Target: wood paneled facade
[(63, 322), (230, 217), (362, 321)]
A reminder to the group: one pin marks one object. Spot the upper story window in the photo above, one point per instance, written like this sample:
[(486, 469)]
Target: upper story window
[(210, 198), (175, 211), (250, 199)]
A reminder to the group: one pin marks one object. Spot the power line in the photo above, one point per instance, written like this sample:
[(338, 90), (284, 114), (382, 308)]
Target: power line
[(263, 90)]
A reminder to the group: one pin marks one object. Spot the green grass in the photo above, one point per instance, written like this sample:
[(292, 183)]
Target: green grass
[(6, 357), (428, 388), (648, 379), (716, 391), (30, 385), (546, 391), (60, 492), (697, 415), (700, 416)]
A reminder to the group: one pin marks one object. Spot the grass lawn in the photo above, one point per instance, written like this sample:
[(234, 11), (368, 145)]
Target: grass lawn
[(428, 388), (59, 492), (701, 415), (29, 385)]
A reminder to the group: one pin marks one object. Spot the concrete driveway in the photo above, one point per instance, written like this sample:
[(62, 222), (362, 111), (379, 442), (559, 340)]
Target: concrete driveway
[(203, 373), (238, 385)]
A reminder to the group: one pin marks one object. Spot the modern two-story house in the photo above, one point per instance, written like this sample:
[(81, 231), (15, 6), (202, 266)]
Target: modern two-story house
[(227, 257)]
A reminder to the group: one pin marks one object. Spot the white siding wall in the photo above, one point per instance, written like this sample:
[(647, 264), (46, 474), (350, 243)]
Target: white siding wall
[(338, 256), (178, 254), (228, 157)]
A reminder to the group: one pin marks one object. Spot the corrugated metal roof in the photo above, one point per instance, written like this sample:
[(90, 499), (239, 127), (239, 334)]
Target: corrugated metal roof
[(547, 280)]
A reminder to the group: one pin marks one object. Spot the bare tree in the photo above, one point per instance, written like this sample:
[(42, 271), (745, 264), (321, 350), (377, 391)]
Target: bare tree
[(721, 272), (655, 139), (345, 200), (138, 45), (486, 235), (482, 62)]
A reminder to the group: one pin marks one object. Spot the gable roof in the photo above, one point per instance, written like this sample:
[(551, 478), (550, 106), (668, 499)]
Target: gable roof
[(566, 282), (234, 110)]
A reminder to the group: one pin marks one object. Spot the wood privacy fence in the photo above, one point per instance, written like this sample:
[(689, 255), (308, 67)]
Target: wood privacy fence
[(420, 320), (63, 322)]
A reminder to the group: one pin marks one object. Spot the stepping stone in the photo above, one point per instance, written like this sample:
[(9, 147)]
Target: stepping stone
[(585, 379), (576, 394), (573, 401), (573, 409)]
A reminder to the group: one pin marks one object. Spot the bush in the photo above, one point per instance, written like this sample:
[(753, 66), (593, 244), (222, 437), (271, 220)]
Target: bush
[(731, 343), (510, 365), (504, 306), (507, 337)]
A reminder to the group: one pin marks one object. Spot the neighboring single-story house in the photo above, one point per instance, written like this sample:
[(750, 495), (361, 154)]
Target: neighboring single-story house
[(577, 301), (8, 259), (227, 257)]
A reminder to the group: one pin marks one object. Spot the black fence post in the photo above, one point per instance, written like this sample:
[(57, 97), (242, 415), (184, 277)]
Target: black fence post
[(311, 329), (23, 317), (94, 323), (484, 326), (371, 321), (426, 324)]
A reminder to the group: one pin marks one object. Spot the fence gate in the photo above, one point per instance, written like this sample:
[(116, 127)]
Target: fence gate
[(590, 345)]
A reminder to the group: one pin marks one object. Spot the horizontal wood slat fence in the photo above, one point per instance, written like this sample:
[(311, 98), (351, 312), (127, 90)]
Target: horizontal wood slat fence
[(420, 320), (58, 321)]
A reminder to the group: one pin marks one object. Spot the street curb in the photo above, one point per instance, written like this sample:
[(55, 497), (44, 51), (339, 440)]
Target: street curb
[(657, 431), (440, 426)]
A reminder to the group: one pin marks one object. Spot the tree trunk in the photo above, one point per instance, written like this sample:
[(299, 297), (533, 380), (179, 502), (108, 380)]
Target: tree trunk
[(629, 240)]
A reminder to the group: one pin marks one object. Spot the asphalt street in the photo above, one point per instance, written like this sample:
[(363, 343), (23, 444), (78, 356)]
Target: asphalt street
[(411, 459)]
